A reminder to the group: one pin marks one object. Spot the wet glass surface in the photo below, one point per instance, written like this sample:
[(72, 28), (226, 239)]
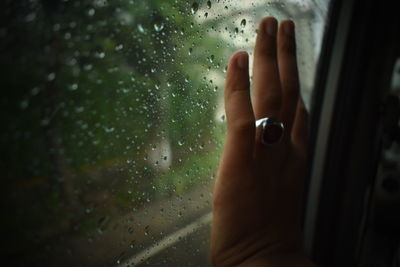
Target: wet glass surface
[(113, 123)]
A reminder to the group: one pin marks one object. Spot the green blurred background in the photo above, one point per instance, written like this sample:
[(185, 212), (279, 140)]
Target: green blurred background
[(112, 119)]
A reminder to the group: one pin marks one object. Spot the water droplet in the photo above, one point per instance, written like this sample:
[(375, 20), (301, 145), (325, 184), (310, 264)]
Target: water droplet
[(195, 7), (91, 12), (146, 229), (73, 87), (88, 67), (88, 210), (243, 23), (119, 47), (100, 55), (79, 109), (24, 104), (109, 129), (30, 17), (102, 224), (211, 58), (120, 259), (51, 76), (158, 27), (206, 14), (209, 4), (181, 143), (236, 30), (190, 51), (140, 28), (35, 90)]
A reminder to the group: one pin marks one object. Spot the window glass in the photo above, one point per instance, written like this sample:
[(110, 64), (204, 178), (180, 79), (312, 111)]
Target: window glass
[(113, 123)]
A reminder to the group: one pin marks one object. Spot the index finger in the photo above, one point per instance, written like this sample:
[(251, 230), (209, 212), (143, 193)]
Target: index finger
[(239, 111)]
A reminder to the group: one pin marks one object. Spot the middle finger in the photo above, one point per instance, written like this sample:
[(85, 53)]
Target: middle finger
[(266, 81)]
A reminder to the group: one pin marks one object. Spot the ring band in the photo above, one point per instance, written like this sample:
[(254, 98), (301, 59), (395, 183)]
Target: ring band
[(272, 131)]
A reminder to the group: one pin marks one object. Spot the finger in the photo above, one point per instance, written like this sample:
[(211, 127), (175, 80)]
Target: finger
[(266, 83), (288, 73), (300, 132), (239, 112)]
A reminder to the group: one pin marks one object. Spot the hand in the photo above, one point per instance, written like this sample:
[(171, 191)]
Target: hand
[(258, 192)]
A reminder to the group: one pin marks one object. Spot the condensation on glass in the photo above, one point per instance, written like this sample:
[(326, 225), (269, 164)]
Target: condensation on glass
[(113, 123)]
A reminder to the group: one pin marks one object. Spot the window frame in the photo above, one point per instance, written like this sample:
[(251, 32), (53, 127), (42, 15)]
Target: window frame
[(353, 76)]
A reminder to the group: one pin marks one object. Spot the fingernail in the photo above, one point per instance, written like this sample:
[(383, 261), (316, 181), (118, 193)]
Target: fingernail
[(288, 28), (270, 27), (242, 60)]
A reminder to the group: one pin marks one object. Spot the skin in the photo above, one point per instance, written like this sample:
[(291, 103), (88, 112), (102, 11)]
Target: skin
[(258, 191)]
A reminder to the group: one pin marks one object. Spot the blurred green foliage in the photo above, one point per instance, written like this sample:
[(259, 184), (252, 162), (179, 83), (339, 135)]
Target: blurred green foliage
[(89, 88)]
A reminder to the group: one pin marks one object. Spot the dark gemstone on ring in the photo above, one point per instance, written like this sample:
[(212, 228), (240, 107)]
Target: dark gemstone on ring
[(272, 133)]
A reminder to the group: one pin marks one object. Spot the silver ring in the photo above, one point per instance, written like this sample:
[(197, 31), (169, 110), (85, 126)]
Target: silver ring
[(271, 131)]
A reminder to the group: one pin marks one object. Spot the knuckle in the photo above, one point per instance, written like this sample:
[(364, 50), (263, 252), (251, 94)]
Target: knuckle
[(272, 102), (268, 51), (242, 125), (266, 48), (237, 81), (287, 46), (236, 84)]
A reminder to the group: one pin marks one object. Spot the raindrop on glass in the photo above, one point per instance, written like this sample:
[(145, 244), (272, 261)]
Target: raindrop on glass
[(73, 87), (211, 58), (24, 104), (140, 28), (158, 27), (195, 7), (243, 23), (100, 55), (91, 12), (209, 4), (51, 76), (30, 17)]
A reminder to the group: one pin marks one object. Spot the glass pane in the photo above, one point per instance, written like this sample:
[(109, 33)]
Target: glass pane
[(113, 123)]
